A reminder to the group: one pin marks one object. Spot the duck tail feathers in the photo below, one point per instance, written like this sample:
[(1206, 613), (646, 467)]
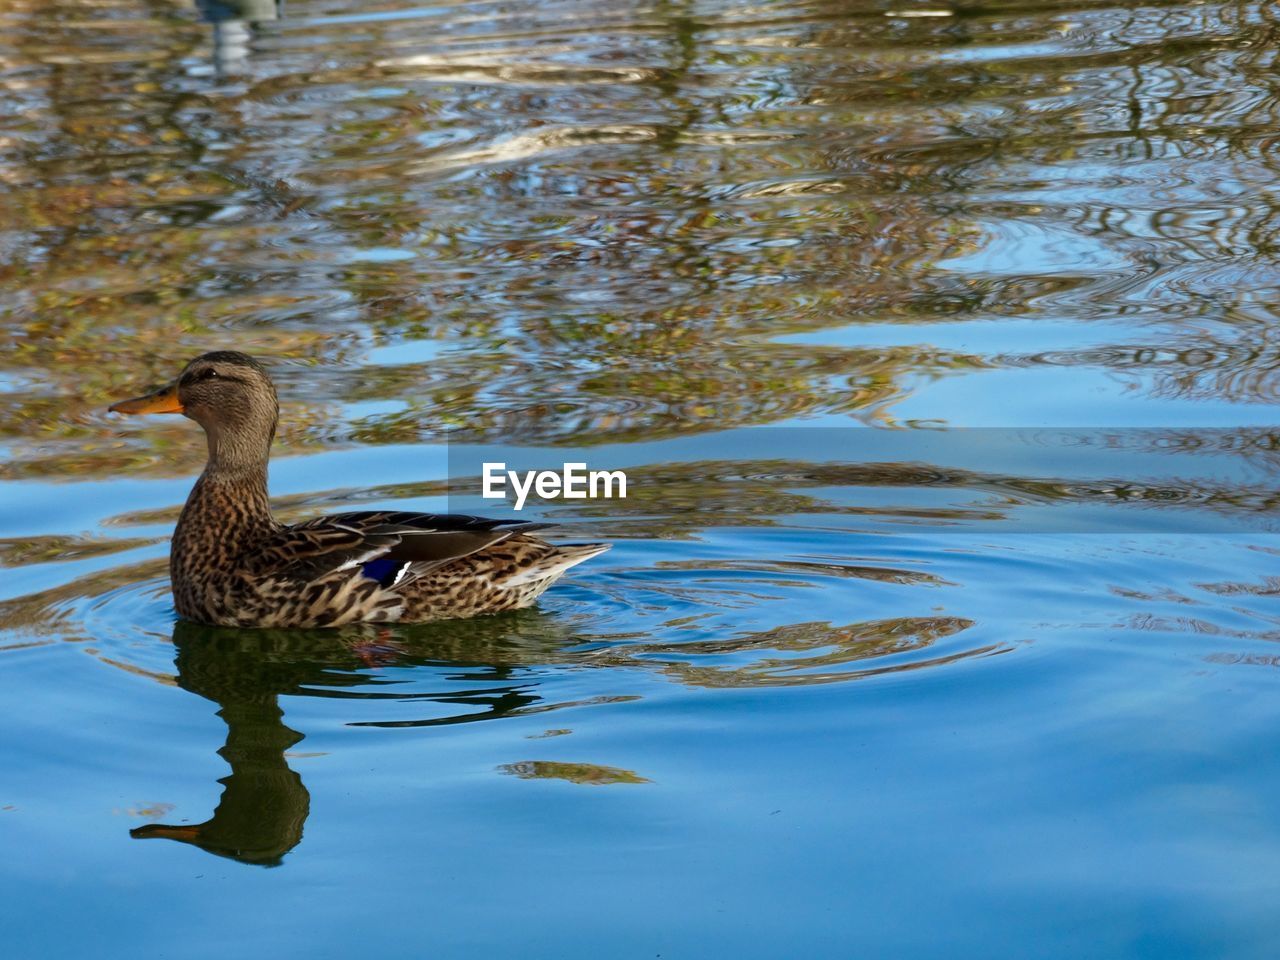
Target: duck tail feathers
[(557, 562)]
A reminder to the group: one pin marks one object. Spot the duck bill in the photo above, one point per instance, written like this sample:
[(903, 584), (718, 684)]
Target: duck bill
[(164, 400), (189, 833)]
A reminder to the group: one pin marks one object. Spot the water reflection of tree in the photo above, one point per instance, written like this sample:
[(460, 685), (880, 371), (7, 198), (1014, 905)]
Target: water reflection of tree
[(178, 257), (615, 228), (109, 201)]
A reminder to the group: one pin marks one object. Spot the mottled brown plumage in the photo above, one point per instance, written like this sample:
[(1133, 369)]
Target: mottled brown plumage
[(232, 564)]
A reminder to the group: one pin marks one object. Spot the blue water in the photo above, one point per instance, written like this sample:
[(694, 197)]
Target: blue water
[(941, 614)]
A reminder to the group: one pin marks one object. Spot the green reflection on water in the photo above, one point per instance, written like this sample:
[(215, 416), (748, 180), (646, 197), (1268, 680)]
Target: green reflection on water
[(606, 226)]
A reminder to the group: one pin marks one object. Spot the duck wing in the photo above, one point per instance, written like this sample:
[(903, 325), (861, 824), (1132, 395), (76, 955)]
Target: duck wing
[(384, 544)]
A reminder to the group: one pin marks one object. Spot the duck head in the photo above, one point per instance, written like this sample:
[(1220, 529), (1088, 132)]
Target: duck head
[(230, 395)]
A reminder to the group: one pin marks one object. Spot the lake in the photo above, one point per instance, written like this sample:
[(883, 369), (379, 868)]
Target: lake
[(939, 344)]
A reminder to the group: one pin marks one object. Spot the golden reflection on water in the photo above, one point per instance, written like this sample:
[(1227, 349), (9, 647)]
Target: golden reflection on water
[(598, 226), (589, 774)]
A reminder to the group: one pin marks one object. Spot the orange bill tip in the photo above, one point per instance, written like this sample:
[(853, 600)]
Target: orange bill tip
[(187, 832), (164, 400)]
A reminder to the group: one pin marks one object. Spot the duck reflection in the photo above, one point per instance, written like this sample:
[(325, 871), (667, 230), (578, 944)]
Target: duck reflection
[(481, 669), (234, 24), (264, 803)]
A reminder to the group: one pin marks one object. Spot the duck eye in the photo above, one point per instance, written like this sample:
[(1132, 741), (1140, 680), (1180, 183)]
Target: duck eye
[(208, 374)]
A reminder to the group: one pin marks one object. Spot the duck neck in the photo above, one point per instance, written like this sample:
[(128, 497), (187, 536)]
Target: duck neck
[(239, 456), (228, 507), (239, 493), (237, 469)]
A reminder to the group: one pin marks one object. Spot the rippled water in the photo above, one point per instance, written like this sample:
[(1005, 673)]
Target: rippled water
[(937, 342)]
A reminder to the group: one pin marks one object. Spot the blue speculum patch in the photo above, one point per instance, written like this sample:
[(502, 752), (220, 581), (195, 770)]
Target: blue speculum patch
[(383, 570)]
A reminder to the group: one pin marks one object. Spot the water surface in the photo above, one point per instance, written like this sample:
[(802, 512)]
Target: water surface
[(936, 340)]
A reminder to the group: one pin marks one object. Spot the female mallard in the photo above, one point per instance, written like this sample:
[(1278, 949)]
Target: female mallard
[(232, 564)]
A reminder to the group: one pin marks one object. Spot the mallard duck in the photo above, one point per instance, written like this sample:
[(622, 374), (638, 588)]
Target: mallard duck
[(233, 564)]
